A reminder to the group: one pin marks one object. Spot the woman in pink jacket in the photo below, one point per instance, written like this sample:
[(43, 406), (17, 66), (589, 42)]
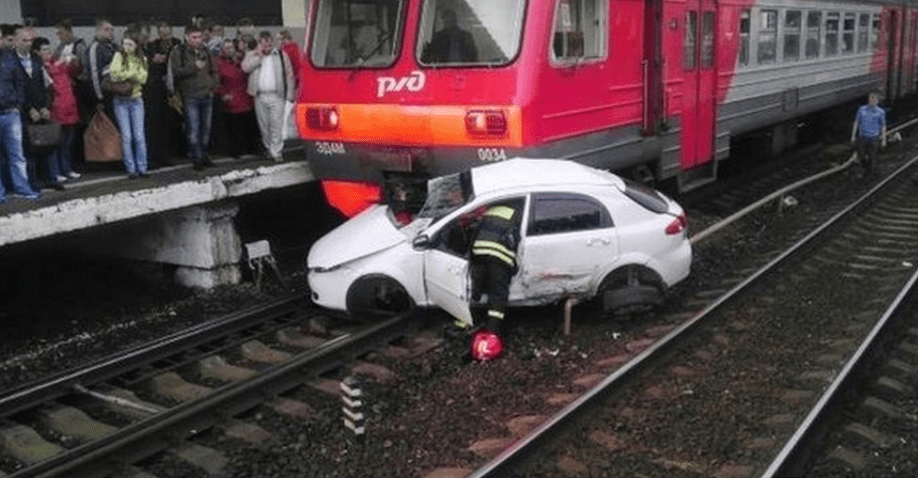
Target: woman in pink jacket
[(64, 110)]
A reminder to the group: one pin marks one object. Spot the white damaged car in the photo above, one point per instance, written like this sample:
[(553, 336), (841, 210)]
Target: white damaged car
[(585, 233)]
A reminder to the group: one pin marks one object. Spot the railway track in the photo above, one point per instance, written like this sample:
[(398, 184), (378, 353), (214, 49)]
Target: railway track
[(659, 414), (100, 419), (221, 375)]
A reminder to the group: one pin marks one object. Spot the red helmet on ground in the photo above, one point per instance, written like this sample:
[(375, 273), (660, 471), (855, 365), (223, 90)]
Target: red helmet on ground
[(486, 345)]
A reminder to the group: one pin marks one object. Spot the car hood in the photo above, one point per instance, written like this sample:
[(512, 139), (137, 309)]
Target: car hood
[(365, 234)]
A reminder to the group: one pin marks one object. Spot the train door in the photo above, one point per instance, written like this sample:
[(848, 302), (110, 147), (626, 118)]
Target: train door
[(699, 83), (908, 56)]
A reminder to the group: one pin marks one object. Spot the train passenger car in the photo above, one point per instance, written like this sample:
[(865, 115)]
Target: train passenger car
[(656, 88)]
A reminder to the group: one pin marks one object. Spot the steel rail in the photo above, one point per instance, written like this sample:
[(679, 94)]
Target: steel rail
[(103, 369), (702, 235), (793, 455), (521, 450), (144, 438)]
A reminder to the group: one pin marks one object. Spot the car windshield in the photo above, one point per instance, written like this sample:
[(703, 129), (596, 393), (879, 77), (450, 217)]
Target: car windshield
[(470, 31), (446, 194), (357, 33)]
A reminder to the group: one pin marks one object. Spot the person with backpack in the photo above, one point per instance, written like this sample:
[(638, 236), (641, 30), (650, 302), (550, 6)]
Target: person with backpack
[(272, 84), (196, 79)]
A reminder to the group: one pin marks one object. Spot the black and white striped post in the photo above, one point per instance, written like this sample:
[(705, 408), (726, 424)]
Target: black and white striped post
[(352, 397)]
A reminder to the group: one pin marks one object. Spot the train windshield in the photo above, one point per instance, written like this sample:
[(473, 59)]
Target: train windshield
[(463, 32), (357, 33)]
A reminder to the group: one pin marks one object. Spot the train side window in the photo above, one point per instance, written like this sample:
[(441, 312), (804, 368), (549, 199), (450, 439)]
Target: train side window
[(768, 36), (813, 23), (580, 30), (863, 32), (689, 40), (848, 33), (792, 25), (707, 40), (832, 20), (874, 31), (744, 38)]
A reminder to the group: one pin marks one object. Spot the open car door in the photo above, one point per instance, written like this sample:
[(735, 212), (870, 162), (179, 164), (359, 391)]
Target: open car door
[(446, 277)]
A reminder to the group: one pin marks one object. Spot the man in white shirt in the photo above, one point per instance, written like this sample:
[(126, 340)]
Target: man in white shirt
[(271, 83)]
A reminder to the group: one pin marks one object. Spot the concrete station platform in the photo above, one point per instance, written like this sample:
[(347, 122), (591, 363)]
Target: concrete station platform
[(175, 215)]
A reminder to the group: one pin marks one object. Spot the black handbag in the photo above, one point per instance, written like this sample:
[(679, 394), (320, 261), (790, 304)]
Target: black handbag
[(44, 134)]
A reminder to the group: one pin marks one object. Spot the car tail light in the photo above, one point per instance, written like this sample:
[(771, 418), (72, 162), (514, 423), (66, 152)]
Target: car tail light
[(486, 123), (323, 118), (679, 224)]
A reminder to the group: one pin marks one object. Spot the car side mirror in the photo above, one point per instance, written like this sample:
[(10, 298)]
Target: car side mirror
[(421, 243)]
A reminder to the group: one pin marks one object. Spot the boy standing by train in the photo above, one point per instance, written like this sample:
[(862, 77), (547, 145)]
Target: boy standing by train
[(869, 132)]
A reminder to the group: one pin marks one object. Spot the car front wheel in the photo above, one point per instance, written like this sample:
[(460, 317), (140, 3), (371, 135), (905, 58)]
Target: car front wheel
[(377, 297)]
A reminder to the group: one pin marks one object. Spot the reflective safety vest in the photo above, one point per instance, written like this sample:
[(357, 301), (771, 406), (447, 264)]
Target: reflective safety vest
[(497, 236)]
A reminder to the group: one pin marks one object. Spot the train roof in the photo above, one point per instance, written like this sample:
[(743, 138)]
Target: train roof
[(527, 173)]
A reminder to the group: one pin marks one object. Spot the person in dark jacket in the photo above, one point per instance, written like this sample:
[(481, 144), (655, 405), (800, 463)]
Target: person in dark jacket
[(96, 64), (196, 78), (37, 105), (12, 100), (451, 44), (493, 263)]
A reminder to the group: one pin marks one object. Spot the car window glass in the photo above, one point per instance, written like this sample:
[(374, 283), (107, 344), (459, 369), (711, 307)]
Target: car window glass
[(646, 197), (446, 194), (554, 213)]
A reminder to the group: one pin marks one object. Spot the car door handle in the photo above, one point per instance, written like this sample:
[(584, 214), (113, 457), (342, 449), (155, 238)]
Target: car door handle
[(455, 270), (601, 241)]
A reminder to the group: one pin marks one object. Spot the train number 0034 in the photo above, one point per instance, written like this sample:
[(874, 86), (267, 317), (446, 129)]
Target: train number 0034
[(492, 154)]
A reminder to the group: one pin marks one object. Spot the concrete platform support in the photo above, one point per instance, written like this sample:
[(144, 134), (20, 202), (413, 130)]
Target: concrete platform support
[(200, 240)]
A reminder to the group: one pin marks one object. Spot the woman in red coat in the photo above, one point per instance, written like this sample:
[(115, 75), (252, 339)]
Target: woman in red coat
[(64, 110), (238, 107)]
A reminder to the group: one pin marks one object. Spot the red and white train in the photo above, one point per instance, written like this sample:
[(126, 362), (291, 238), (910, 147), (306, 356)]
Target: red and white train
[(429, 87)]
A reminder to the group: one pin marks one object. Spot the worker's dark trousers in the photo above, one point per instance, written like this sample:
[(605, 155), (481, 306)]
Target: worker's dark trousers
[(491, 278)]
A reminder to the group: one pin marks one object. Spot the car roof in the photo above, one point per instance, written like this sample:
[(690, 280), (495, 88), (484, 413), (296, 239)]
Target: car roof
[(528, 173)]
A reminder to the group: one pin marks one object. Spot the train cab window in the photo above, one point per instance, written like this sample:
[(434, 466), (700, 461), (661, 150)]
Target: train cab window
[(792, 25), (863, 32), (580, 30), (469, 32), (554, 213), (848, 33), (689, 40), (832, 20), (768, 36), (707, 40), (357, 33), (874, 31), (744, 38), (813, 24)]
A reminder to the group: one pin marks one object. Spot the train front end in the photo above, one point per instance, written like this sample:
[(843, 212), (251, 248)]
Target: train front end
[(396, 91)]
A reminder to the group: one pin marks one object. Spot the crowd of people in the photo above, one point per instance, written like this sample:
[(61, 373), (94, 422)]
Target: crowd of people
[(169, 97)]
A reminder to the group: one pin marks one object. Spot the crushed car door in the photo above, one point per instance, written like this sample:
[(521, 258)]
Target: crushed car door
[(568, 238)]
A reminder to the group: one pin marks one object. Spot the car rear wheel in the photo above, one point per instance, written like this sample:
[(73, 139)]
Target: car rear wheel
[(629, 290), (377, 297)]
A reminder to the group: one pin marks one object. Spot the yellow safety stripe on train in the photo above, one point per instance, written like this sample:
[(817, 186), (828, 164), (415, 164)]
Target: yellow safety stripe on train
[(491, 252), (494, 245), (503, 212)]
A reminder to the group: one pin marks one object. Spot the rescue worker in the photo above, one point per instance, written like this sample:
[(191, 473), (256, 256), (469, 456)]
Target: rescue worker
[(492, 265)]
